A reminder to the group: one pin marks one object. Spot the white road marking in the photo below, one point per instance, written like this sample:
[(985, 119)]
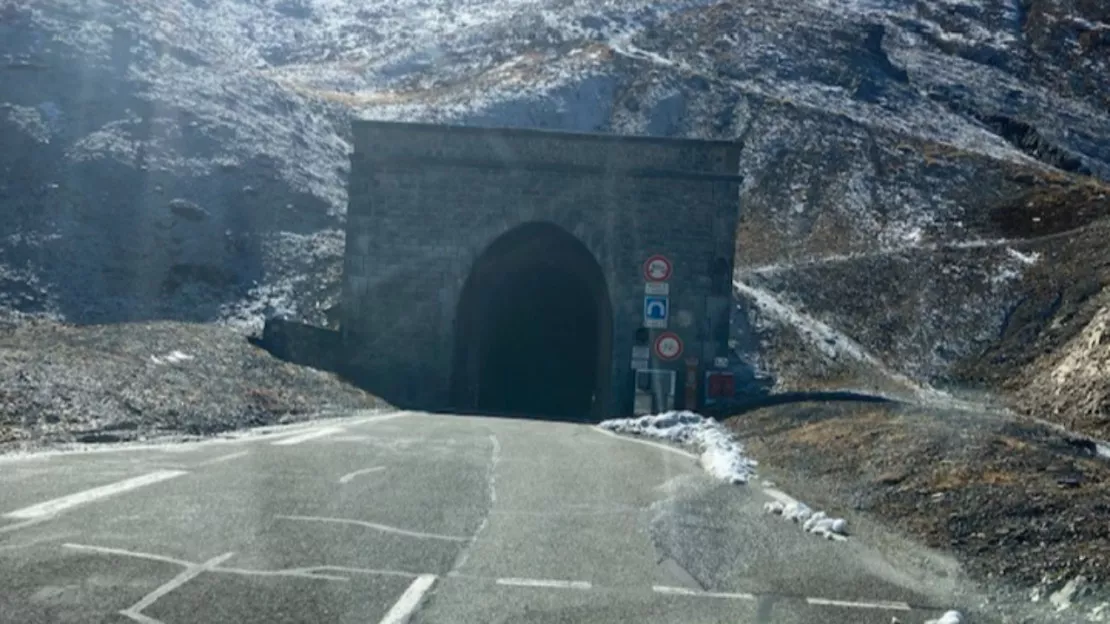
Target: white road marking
[(351, 475), (15, 526), (223, 458), (403, 609), (354, 438), (295, 572), (52, 507), (370, 571), (377, 527), (556, 583), (129, 553), (308, 435), (658, 445), (35, 542), (491, 481), (897, 606), (491, 488), (683, 591), (135, 611), (313, 572), (378, 418)]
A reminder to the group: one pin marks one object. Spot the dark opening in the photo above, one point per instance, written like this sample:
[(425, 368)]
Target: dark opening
[(533, 329)]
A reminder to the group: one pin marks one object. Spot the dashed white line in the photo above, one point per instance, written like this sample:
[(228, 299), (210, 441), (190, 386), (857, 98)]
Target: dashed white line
[(56, 505), (403, 609), (556, 583), (377, 527), (896, 606), (658, 445), (351, 475), (223, 458), (683, 591), (135, 611), (308, 435)]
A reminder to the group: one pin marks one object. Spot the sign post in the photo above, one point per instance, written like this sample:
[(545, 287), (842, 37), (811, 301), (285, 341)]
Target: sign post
[(691, 383)]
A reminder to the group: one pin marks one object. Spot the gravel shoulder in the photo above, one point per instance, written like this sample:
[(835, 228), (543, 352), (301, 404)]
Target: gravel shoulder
[(124, 382), (1020, 505)]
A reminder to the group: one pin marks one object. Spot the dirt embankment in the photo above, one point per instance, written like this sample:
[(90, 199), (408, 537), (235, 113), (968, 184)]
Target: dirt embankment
[(1019, 503), (101, 383), (1052, 357)]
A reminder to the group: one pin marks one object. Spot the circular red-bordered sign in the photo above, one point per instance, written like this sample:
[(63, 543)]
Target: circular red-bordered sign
[(657, 268), (668, 346)]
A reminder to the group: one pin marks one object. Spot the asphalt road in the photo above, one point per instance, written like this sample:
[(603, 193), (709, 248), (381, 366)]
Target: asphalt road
[(422, 518)]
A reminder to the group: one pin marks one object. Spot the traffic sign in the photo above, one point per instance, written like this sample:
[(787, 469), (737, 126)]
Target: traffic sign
[(656, 309), (657, 288), (668, 346), (657, 268)]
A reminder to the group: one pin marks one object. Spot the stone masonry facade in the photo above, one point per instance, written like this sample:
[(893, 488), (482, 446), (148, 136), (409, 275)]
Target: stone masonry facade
[(426, 200)]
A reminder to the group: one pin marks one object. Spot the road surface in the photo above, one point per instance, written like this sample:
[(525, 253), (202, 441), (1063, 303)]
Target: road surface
[(396, 517)]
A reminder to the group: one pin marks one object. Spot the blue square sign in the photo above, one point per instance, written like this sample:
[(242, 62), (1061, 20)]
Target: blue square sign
[(656, 308)]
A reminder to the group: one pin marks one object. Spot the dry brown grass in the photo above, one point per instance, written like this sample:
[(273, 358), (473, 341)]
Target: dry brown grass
[(1009, 497)]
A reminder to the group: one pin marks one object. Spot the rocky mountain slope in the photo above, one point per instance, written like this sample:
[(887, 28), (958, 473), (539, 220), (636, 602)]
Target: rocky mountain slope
[(66, 384), (187, 160)]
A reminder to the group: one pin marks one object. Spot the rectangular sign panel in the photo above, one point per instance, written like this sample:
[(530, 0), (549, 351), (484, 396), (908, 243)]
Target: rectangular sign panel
[(656, 309)]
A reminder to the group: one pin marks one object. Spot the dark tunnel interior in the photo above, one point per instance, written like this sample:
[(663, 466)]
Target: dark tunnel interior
[(539, 346), (533, 329)]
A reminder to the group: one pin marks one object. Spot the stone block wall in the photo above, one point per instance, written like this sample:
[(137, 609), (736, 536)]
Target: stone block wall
[(426, 200)]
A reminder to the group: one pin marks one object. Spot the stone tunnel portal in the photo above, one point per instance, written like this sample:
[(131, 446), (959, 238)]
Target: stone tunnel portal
[(533, 332)]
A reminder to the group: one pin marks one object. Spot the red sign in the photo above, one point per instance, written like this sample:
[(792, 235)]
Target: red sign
[(668, 346), (721, 385), (657, 268)]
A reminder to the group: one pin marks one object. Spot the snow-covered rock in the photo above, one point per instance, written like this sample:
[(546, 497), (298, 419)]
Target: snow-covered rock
[(719, 452), (818, 523), (949, 617)]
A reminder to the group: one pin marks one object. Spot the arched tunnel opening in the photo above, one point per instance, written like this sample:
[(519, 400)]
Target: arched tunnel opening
[(533, 329)]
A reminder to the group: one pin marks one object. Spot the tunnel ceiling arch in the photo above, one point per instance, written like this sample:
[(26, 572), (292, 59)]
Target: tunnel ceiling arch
[(443, 222), (534, 328)]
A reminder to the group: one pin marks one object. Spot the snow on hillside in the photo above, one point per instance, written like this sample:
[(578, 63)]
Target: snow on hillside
[(863, 121)]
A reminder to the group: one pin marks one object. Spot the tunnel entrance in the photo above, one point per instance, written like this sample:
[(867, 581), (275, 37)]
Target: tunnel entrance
[(533, 329)]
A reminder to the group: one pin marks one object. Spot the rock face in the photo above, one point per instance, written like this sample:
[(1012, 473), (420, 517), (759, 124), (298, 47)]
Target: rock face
[(187, 160), (149, 172)]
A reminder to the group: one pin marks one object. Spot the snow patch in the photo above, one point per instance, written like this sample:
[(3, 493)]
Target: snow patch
[(173, 357), (1028, 259), (830, 342), (720, 453), (818, 523), (949, 617)]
